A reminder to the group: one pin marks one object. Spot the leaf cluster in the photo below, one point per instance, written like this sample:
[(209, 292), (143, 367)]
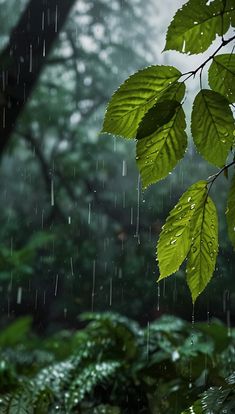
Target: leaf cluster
[(149, 107)]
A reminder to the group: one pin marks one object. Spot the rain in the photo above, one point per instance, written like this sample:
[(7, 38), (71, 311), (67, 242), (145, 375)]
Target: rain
[(84, 325)]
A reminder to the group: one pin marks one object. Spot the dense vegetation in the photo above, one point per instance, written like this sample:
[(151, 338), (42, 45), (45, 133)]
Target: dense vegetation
[(113, 366)]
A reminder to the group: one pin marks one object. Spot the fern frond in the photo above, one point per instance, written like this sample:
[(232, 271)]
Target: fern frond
[(88, 379)]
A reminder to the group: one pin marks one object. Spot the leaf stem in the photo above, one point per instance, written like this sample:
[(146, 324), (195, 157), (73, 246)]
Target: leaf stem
[(212, 178), (201, 67)]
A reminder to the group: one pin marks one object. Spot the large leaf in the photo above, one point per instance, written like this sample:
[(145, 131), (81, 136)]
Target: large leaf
[(135, 97), (222, 75), (230, 212), (204, 248), (159, 153), (212, 126), (196, 24), (176, 236)]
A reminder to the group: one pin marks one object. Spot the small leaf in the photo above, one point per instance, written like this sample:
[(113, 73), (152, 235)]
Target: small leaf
[(175, 238), (196, 24), (222, 75), (230, 212), (212, 126), (19, 403), (196, 408), (159, 153), (135, 97), (204, 248), (162, 112), (159, 115)]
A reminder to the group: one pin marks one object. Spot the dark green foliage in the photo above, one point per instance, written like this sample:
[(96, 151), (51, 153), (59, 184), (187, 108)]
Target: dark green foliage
[(114, 366)]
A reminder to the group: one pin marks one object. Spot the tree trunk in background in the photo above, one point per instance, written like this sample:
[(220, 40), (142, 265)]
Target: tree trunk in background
[(22, 60)]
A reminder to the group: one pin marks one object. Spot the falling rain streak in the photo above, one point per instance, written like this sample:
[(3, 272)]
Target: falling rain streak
[(19, 295), (52, 194), (93, 285), (137, 231), (124, 168), (30, 58), (56, 285), (89, 214), (71, 266), (110, 291)]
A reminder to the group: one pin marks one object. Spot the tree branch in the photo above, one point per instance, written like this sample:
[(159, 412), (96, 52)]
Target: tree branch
[(23, 59)]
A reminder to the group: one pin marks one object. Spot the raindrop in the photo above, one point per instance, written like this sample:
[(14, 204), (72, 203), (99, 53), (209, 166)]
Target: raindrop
[(124, 168), (43, 21), (56, 19), (110, 291), (19, 295), (71, 266), (131, 219), (93, 285), (158, 297), (89, 214), (44, 48), (52, 193), (30, 58), (56, 285)]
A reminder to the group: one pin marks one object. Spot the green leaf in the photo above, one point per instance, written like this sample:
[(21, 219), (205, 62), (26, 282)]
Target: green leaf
[(159, 153), (230, 212), (230, 9), (212, 126), (196, 24), (176, 235), (196, 408), (160, 114), (135, 97), (222, 75), (18, 403), (16, 332), (175, 92), (87, 379), (204, 248)]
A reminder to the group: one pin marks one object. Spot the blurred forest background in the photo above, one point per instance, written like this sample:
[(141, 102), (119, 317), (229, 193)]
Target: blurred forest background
[(77, 233)]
